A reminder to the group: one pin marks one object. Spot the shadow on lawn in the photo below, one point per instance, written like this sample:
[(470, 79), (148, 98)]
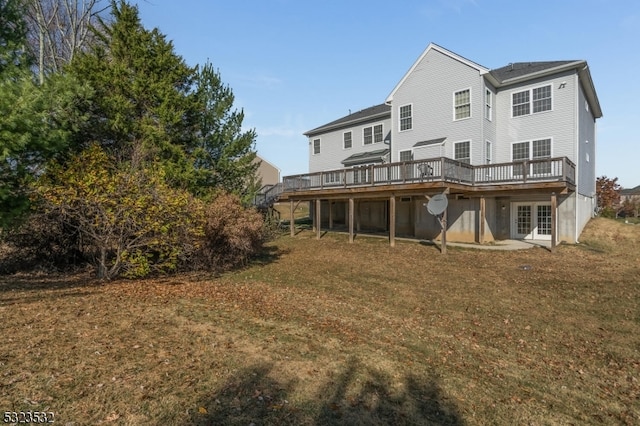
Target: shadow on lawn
[(356, 396)]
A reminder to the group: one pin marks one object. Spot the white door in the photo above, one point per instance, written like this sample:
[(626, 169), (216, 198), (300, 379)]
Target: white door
[(531, 221)]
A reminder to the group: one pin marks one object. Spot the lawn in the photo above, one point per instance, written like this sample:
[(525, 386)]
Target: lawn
[(321, 332)]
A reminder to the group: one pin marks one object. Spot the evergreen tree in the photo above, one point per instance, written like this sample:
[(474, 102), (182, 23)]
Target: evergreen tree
[(225, 155), (35, 121), (142, 104)]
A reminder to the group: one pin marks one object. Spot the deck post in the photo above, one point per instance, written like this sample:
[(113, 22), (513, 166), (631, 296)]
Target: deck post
[(330, 214), (357, 216), (392, 221), (292, 221), (443, 248), (351, 209), (318, 219), (483, 214), (554, 228)]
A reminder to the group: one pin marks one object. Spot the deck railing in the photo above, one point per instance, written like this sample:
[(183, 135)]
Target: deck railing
[(436, 170)]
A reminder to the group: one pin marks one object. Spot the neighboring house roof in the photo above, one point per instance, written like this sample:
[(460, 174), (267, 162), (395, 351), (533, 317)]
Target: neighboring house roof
[(630, 191), (429, 142), (376, 156), (368, 114)]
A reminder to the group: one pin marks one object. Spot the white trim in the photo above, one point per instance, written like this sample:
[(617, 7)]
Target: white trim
[(470, 104), (530, 142), (490, 103), (470, 149), (534, 220), (530, 90), (343, 135), (373, 133), (405, 150), (313, 146)]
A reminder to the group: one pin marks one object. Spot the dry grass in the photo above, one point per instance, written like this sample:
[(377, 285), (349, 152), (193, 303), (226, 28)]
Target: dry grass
[(323, 332)]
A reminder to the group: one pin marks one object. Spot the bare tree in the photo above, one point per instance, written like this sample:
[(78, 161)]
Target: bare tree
[(58, 29)]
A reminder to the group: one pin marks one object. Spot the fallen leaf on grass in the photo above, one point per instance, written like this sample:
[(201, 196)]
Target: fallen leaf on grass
[(202, 410)]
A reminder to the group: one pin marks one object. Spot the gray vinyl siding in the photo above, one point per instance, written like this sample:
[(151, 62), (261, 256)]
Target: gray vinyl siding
[(586, 184), (489, 127), (332, 150), (430, 90), (557, 124)]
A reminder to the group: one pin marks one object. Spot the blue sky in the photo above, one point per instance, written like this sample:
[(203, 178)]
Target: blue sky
[(294, 65)]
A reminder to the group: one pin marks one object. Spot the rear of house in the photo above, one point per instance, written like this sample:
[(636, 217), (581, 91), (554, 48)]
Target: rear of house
[(512, 148)]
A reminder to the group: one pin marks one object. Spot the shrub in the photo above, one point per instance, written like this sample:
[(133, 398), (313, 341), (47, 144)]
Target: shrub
[(232, 234)]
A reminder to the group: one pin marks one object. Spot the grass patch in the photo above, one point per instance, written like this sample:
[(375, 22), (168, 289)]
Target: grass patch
[(326, 332)]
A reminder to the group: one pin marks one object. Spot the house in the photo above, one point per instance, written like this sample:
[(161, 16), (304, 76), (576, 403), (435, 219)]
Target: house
[(513, 150), (268, 174), (629, 202)]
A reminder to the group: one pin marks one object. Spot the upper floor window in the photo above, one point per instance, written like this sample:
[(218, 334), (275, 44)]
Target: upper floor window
[(316, 146), (406, 122), (462, 104), (488, 105), (347, 141), (462, 151), (372, 134), (531, 101), (367, 135), (539, 149), (377, 133)]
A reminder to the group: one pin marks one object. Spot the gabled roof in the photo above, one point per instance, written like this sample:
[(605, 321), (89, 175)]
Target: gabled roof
[(373, 113), (376, 156), (630, 191), (435, 47), (429, 142), (520, 69), (524, 71)]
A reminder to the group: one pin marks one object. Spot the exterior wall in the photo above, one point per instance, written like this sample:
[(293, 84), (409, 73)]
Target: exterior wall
[(332, 150), (430, 90), (268, 173), (554, 124), (489, 126), (586, 167), (585, 210)]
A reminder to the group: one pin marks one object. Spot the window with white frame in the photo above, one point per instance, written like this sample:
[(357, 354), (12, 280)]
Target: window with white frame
[(539, 149), (367, 135), (316, 146), (347, 140), (531, 101), (406, 155), (406, 122), (462, 104), (487, 152), (372, 134), (462, 151), (377, 133), (488, 105)]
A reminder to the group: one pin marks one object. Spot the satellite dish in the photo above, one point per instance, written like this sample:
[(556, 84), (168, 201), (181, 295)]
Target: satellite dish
[(437, 204)]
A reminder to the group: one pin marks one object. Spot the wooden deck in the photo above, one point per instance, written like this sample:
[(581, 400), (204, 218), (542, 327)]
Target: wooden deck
[(438, 174)]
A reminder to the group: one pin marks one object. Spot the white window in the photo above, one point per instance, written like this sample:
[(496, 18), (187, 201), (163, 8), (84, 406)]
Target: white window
[(406, 155), (462, 104), (372, 134), (367, 135), (538, 149), (377, 133), (316, 146), (347, 140), (531, 101), (406, 118), (462, 151), (487, 152), (488, 105)]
